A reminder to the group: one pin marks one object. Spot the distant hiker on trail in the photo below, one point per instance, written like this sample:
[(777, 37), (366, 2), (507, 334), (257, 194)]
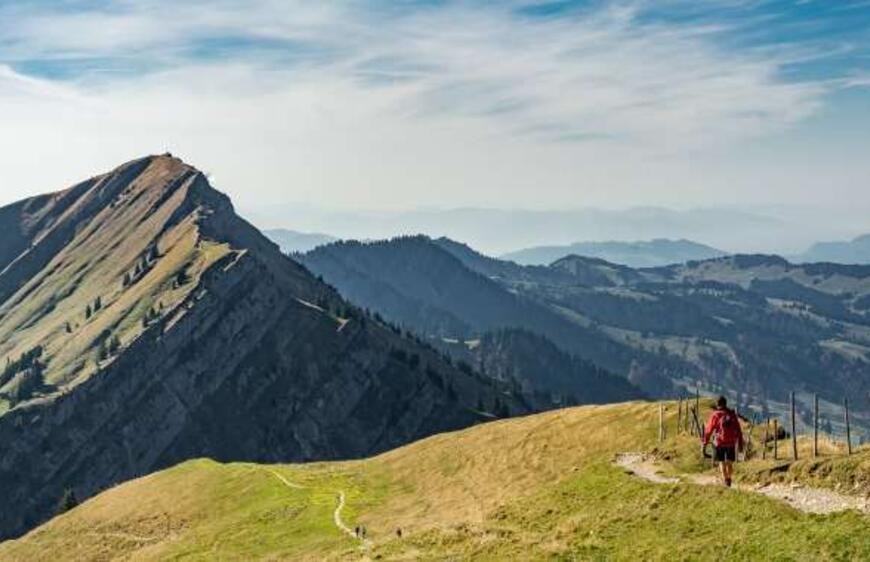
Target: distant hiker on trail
[(729, 437)]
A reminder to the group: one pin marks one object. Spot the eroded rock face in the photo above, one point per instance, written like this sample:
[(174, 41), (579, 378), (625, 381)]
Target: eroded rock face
[(257, 362)]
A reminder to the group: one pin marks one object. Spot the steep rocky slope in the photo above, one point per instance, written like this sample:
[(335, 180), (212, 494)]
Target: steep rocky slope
[(153, 325)]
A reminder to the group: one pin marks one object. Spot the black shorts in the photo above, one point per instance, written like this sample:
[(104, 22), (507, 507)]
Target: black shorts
[(725, 454)]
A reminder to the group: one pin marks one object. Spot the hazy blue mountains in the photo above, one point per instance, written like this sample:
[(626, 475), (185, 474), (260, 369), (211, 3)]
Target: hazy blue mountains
[(652, 253)]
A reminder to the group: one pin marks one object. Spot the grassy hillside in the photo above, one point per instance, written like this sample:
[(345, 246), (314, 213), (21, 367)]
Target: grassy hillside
[(121, 262), (541, 487)]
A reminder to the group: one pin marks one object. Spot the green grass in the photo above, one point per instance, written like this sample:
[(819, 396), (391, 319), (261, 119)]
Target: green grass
[(202, 510), (536, 488), (604, 514)]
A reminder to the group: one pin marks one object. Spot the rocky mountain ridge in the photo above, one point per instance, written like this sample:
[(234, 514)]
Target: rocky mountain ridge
[(218, 346)]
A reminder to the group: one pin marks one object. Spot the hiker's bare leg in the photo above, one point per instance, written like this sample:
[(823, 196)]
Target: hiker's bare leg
[(727, 470), (722, 472)]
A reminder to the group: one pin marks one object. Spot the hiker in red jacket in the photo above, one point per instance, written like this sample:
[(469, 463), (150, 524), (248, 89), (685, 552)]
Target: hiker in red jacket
[(729, 437)]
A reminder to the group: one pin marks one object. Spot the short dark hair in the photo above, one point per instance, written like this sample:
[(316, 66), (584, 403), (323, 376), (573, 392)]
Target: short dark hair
[(721, 402)]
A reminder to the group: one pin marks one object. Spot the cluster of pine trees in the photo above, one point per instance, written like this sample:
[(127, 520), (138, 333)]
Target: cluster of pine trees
[(92, 309), (28, 360), (32, 371), (109, 346), (143, 266), (151, 315)]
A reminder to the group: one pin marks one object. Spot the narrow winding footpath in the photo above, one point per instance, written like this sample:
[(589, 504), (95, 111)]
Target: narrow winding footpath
[(336, 515), (803, 498)]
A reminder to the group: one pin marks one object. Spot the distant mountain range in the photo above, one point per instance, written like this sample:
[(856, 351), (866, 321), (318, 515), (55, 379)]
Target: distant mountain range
[(754, 326), (856, 251), (291, 241), (498, 231), (653, 253)]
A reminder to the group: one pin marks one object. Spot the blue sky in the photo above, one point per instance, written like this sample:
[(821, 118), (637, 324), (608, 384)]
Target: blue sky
[(397, 105)]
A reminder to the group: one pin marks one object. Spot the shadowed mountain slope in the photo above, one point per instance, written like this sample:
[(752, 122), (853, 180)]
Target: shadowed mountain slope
[(538, 367), (433, 288), (146, 323), (755, 327)]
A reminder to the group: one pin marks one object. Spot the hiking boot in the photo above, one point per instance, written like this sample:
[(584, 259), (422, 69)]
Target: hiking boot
[(728, 482)]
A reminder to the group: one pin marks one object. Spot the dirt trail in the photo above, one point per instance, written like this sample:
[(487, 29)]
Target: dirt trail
[(336, 516), (800, 497), (642, 465), (286, 482)]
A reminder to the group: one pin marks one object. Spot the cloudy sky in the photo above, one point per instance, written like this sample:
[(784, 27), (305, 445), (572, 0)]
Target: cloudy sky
[(398, 105)]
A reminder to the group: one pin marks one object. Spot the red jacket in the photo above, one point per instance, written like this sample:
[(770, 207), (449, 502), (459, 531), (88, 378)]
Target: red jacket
[(727, 429)]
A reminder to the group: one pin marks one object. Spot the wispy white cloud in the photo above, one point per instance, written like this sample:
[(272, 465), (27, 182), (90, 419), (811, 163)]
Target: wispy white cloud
[(366, 103), (602, 74)]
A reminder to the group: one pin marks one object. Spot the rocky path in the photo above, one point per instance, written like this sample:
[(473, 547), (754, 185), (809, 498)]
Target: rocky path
[(803, 498), (642, 465)]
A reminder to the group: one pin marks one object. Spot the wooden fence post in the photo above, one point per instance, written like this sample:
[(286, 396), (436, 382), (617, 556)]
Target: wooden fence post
[(815, 425), (764, 443), (679, 415), (687, 424), (848, 428), (661, 422), (696, 423), (775, 438), (747, 451), (794, 452)]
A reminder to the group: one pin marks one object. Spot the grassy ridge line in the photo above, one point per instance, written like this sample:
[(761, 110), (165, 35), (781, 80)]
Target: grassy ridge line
[(535, 488)]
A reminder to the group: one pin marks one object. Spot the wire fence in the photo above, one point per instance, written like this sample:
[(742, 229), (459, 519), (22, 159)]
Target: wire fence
[(689, 421)]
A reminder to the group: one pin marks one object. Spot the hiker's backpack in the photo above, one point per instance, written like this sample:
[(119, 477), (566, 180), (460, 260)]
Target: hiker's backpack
[(728, 428)]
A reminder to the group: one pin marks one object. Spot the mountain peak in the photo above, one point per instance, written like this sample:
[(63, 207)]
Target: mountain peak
[(145, 323)]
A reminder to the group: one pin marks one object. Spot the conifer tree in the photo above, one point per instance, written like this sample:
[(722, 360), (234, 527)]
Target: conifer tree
[(67, 502)]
